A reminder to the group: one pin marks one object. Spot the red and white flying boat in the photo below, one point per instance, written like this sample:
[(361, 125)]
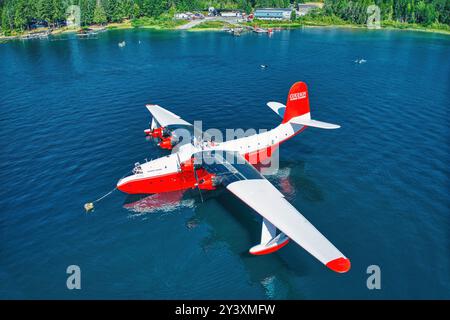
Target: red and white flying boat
[(195, 163)]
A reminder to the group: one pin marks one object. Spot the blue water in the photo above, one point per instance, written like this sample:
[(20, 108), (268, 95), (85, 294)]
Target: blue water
[(71, 124)]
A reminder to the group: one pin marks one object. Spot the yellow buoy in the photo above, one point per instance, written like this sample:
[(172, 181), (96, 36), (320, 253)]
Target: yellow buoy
[(88, 207)]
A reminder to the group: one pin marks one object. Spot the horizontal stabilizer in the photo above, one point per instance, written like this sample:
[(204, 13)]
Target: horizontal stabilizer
[(306, 121), (277, 107)]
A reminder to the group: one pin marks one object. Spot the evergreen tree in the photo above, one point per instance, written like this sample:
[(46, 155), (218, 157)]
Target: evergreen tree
[(20, 18), (57, 12), (8, 18), (99, 16), (87, 8)]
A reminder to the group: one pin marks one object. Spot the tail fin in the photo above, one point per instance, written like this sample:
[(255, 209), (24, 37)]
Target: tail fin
[(297, 102), (297, 108)]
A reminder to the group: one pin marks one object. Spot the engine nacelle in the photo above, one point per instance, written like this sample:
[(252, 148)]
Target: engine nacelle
[(167, 143), (159, 133)]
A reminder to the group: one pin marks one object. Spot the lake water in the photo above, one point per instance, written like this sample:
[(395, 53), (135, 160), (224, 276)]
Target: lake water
[(72, 118)]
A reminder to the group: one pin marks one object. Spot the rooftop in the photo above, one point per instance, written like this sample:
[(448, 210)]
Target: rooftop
[(273, 9)]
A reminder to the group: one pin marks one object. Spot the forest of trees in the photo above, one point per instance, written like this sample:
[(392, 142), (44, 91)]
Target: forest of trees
[(19, 15), (424, 12)]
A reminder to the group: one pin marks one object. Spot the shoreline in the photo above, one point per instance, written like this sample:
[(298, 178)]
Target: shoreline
[(128, 25), (351, 26)]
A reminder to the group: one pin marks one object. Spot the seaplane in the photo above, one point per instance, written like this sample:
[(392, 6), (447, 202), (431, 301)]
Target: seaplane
[(207, 165)]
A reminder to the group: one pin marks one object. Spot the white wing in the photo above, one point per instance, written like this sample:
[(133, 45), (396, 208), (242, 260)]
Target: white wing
[(165, 117), (270, 203), (246, 183)]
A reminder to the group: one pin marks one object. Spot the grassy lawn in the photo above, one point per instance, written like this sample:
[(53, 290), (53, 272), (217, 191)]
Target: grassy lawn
[(434, 27), (120, 25), (157, 23), (215, 25), (300, 21)]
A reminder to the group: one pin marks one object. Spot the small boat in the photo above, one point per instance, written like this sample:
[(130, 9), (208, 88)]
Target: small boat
[(260, 30), (36, 35), (122, 44), (99, 30), (263, 66), (86, 32)]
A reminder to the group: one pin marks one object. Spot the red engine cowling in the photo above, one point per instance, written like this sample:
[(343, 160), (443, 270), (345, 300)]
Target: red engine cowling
[(166, 143), (157, 133)]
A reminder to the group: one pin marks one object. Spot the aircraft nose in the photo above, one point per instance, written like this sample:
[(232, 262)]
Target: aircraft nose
[(120, 185)]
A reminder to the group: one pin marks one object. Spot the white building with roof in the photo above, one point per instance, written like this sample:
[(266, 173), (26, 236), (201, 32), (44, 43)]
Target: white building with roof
[(273, 14)]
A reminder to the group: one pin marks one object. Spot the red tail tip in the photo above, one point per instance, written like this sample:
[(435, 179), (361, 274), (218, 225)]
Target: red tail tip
[(339, 265)]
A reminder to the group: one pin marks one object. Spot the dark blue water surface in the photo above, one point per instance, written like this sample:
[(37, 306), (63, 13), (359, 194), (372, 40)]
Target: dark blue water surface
[(71, 124)]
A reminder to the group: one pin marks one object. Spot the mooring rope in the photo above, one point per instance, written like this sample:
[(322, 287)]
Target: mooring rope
[(89, 206), (105, 195)]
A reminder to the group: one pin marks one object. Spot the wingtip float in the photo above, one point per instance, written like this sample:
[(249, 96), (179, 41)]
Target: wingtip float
[(178, 171)]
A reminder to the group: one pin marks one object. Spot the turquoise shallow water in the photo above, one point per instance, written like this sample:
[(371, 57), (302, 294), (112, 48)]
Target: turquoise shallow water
[(71, 120)]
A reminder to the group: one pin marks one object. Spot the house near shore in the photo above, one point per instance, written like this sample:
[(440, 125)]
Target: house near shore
[(212, 12), (231, 14), (273, 14), (182, 16), (304, 9), (188, 16)]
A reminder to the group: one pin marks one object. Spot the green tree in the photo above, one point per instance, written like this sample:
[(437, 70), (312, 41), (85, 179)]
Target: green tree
[(21, 15), (43, 10), (136, 11), (426, 13), (87, 8), (7, 19), (113, 10), (99, 16), (293, 15), (57, 11)]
